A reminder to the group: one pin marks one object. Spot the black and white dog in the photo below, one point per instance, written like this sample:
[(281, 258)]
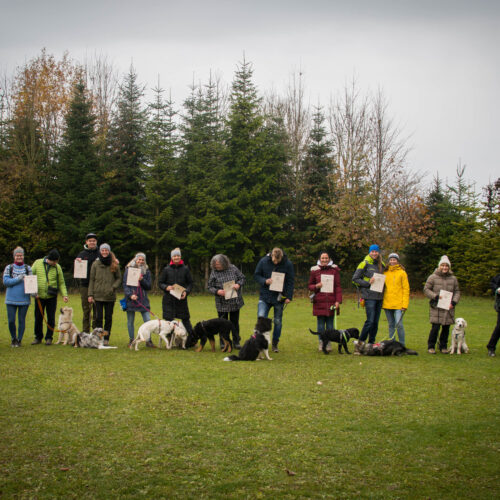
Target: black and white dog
[(92, 340), (339, 336), (384, 348), (257, 346), (208, 329)]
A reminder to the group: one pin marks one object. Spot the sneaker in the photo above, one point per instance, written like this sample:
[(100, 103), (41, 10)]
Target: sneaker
[(105, 342), (36, 341), (491, 353), (149, 343), (275, 348), (13, 343), (444, 351), (48, 342), (237, 346), (431, 351)]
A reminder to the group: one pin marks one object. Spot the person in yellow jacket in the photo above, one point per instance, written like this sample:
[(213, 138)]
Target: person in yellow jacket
[(396, 296)]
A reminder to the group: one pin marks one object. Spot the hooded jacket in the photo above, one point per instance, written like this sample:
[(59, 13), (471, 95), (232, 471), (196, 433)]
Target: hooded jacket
[(361, 278), (322, 302), (436, 282), (397, 288)]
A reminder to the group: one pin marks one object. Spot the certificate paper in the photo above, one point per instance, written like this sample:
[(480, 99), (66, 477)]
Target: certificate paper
[(378, 284), (80, 270), (327, 281), (177, 291), (230, 292), (444, 299), (133, 275), (30, 284), (278, 282)]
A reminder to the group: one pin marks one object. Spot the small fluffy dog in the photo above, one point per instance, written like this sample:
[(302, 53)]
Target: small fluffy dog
[(92, 340), (159, 326), (339, 336), (67, 329), (458, 345), (384, 348), (208, 329), (256, 347), (179, 336)]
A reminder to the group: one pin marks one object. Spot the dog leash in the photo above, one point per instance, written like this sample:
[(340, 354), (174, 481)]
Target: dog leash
[(40, 308)]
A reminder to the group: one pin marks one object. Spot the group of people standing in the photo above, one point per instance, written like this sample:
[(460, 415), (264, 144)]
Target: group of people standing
[(274, 273)]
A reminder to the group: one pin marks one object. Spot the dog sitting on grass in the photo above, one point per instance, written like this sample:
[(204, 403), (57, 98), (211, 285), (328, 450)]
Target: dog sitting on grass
[(67, 329), (458, 345), (257, 346), (339, 336)]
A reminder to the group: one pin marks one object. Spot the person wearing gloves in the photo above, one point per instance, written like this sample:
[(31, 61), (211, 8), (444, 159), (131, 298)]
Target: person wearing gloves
[(363, 278), (492, 344), (16, 300), (137, 296), (50, 281), (441, 279), (105, 278), (396, 296)]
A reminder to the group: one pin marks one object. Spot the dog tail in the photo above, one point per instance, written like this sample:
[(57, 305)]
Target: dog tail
[(232, 358), (314, 333)]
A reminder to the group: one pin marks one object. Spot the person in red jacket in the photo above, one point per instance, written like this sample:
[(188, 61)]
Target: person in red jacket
[(324, 282)]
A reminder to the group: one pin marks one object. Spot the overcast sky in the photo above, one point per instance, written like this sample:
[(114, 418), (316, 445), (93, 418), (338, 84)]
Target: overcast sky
[(438, 62)]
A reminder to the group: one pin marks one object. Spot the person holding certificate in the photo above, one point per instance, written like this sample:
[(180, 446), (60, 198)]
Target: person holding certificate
[(225, 283), (16, 299), (396, 296), (275, 275), (492, 344), (442, 289), (176, 282), (324, 282), (369, 279), (135, 288)]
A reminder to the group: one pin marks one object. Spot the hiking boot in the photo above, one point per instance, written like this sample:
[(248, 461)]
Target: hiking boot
[(149, 343), (491, 353), (275, 348), (48, 342), (36, 341)]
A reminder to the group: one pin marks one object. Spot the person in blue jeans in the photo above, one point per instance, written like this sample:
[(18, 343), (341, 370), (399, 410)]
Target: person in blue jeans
[(363, 278), (137, 296), (278, 262), (16, 300)]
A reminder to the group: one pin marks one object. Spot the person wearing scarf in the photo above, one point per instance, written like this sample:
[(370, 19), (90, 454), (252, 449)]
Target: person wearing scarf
[(105, 278)]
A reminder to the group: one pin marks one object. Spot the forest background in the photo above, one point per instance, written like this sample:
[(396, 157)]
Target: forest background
[(229, 170)]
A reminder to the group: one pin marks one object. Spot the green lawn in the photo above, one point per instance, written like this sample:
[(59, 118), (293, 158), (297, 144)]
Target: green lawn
[(81, 423)]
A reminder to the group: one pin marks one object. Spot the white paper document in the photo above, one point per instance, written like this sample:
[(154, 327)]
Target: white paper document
[(30, 284), (378, 284), (327, 282), (444, 301), (133, 275), (177, 291), (229, 291), (80, 270), (278, 282)]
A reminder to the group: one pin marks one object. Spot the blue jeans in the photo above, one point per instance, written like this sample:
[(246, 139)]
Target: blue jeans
[(394, 317), (370, 328), (21, 316), (263, 309), (130, 321)]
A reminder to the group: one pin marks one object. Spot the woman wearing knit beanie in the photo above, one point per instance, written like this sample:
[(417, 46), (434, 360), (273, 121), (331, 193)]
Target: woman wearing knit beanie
[(441, 279)]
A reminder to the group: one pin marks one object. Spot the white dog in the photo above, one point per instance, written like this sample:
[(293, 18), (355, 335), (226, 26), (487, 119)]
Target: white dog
[(67, 329), (179, 335), (458, 344), (159, 326)]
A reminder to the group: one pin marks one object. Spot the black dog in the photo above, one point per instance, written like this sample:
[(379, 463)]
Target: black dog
[(384, 348), (339, 336), (257, 344), (208, 329)]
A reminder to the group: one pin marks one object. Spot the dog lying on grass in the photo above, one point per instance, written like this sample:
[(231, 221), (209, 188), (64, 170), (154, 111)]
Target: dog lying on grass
[(67, 329), (92, 340), (208, 329), (339, 336), (157, 326), (257, 346), (458, 345), (384, 348)]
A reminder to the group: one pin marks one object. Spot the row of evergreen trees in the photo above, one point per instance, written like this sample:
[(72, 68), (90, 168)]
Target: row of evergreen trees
[(221, 176)]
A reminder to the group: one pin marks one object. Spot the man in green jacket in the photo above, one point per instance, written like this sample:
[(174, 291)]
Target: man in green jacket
[(50, 280)]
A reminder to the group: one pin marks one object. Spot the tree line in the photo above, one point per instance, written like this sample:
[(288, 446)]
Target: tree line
[(229, 170)]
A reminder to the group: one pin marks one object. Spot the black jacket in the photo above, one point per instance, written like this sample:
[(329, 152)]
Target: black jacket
[(170, 275), (91, 256)]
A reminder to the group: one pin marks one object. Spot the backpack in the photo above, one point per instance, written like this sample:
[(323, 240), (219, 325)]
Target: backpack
[(25, 269)]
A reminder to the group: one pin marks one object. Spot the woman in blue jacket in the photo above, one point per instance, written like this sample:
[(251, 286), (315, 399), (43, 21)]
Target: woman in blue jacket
[(16, 300)]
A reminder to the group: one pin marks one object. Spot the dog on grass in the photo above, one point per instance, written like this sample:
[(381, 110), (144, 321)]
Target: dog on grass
[(342, 337), (385, 348), (179, 335), (206, 330), (92, 340), (154, 326), (458, 345), (67, 329), (257, 346)]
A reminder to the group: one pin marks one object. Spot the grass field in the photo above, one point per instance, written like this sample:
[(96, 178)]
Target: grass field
[(81, 423)]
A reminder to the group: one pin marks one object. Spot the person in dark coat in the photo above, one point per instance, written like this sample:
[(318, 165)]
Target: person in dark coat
[(325, 304), (276, 261), (137, 296), (176, 273), (492, 344)]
